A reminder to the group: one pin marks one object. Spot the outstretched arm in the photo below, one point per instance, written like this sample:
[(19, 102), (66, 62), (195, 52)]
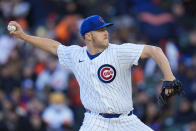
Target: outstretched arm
[(42, 43)]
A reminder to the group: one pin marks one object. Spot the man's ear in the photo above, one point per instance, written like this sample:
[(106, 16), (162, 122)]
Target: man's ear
[(88, 36)]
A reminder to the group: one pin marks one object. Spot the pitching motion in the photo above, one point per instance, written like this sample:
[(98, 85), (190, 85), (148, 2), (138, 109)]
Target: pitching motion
[(103, 71)]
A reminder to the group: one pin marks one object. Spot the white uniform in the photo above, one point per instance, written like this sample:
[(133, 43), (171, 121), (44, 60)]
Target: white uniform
[(105, 85)]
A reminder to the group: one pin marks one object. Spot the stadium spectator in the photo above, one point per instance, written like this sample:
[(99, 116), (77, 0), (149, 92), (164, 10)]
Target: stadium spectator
[(58, 116)]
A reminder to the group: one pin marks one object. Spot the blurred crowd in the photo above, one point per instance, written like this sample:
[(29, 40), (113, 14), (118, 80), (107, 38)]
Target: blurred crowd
[(37, 94)]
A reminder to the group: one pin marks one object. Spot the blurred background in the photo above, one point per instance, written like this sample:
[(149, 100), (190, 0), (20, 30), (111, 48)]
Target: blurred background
[(37, 94)]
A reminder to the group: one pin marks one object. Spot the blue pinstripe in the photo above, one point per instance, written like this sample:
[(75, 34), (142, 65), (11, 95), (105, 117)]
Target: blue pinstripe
[(114, 97)]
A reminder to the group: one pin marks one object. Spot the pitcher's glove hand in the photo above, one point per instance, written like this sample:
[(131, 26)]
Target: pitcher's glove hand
[(169, 88)]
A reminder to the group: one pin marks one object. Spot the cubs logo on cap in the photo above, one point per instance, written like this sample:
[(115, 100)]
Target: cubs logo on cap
[(106, 73), (91, 23), (101, 19)]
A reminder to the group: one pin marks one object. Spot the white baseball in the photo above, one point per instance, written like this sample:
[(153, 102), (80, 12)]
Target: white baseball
[(11, 27)]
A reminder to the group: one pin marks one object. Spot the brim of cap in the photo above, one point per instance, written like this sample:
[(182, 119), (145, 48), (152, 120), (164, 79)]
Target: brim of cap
[(105, 25)]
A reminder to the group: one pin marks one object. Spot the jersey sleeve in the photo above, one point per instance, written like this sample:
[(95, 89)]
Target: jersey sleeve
[(129, 53), (64, 54)]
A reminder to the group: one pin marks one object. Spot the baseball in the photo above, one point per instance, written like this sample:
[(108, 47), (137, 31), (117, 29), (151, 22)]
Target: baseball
[(11, 27)]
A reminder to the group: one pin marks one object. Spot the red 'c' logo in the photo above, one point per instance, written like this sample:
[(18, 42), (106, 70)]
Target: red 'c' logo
[(106, 73)]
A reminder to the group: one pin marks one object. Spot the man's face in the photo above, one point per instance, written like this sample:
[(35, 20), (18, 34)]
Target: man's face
[(100, 37)]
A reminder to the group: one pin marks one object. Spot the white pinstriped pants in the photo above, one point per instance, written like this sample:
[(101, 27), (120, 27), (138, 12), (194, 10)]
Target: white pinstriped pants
[(95, 122)]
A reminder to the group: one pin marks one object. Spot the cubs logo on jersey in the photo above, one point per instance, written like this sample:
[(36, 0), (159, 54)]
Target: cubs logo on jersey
[(106, 73)]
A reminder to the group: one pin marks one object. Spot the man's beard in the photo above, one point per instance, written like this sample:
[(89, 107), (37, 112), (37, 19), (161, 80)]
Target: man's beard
[(100, 46)]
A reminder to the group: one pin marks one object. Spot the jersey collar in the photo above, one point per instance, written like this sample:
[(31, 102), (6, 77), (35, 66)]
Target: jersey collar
[(92, 56)]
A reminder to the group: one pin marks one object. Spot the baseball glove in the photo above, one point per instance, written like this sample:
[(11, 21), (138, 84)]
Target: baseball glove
[(177, 90)]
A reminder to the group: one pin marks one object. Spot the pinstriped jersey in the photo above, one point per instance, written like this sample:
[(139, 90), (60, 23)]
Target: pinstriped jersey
[(105, 81)]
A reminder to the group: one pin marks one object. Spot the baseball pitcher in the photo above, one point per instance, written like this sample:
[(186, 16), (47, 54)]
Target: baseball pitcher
[(103, 71)]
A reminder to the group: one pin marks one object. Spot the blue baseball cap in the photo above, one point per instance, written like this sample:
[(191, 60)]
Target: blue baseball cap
[(91, 23)]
